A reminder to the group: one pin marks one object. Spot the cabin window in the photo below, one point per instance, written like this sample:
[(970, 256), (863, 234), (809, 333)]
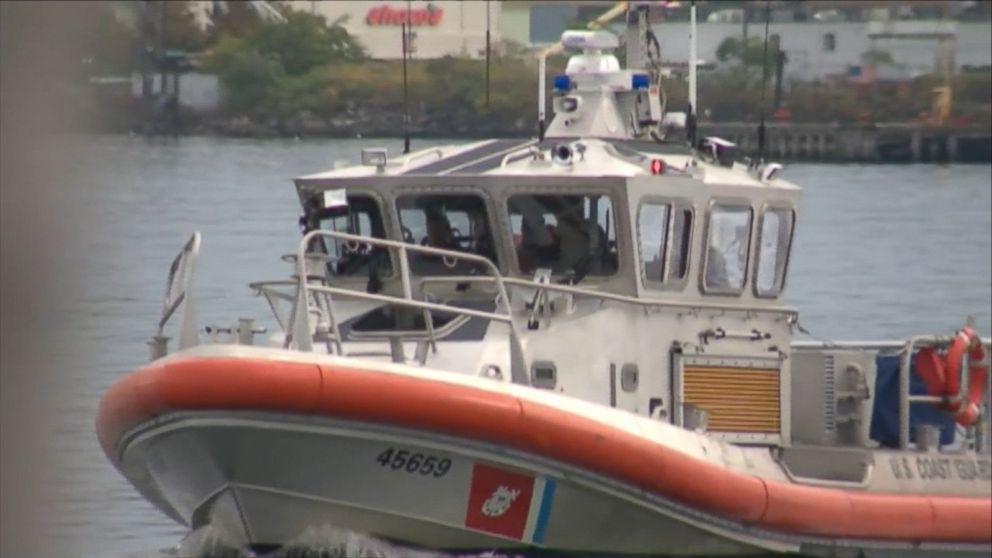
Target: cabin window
[(664, 232), (352, 214), (774, 240), (568, 234), (652, 228), (450, 222), (727, 245)]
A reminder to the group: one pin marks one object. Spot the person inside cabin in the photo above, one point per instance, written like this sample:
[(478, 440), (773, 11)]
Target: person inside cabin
[(582, 242), (480, 237), (538, 240), (439, 233)]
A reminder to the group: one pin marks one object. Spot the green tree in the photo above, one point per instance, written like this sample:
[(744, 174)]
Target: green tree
[(877, 57), (279, 67), (305, 41), (750, 53)]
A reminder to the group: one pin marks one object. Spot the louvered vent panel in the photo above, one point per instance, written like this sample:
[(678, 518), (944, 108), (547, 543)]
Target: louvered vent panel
[(738, 399)]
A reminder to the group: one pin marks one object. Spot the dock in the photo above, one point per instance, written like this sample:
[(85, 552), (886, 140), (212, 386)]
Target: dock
[(861, 143)]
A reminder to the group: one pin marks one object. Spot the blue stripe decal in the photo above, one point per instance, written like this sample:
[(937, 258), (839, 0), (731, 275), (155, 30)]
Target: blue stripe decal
[(544, 511)]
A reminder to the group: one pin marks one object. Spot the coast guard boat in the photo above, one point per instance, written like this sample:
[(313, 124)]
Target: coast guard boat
[(576, 344)]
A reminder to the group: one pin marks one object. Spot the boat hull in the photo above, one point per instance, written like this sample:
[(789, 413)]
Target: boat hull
[(264, 451), (266, 479)]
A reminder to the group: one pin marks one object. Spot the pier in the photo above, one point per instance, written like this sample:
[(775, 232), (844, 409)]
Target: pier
[(863, 143)]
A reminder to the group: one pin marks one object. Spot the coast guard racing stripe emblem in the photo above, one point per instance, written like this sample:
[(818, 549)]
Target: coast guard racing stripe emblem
[(499, 501)]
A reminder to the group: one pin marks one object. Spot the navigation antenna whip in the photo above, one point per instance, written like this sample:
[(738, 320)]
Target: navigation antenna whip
[(406, 94), (764, 85), (690, 120), (487, 54)]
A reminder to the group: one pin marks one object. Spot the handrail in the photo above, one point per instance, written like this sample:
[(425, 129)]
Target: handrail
[(299, 321), (419, 154), (177, 295), (519, 154), (906, 399), (411, 303), (267, 289), (569, 289)]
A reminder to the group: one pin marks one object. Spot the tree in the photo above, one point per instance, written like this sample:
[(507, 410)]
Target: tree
[(278, 67), (182, 31), (876, 57), (750, 53), (305, 41)]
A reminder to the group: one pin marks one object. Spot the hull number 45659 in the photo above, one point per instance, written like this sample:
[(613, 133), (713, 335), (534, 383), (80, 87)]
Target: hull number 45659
[(411, 462)]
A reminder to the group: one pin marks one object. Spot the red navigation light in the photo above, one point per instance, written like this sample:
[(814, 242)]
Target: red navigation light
[(657, 166)]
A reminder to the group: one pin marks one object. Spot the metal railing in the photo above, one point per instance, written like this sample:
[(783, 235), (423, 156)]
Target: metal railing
[(300, 328), (906, 399), (318, 298), (626, 299), (178, 299)]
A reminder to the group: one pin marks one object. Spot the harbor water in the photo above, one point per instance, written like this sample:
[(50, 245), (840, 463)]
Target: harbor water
[(881, 252)]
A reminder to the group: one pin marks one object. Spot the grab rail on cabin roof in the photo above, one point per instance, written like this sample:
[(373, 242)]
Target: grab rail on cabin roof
[(420, 154)]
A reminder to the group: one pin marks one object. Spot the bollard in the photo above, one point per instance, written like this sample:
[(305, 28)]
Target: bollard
[(927, 437), (246, 331)]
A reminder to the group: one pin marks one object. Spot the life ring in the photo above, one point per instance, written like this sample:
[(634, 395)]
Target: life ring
[(942, 375)]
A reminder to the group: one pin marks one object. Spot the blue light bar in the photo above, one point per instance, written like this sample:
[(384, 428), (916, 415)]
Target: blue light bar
[(640, 81), (563, 82)]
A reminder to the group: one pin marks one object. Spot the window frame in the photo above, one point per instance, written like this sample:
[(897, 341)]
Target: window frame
[(736, 203), (674, 204), (765, 209), (384, 219), (513, 264)]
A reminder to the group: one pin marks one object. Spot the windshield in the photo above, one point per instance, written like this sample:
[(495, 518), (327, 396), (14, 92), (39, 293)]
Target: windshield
[(456, 222), (353, 214), (564, 233)]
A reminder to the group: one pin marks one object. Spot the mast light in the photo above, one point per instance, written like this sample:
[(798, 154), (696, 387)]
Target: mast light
[(563, 82)]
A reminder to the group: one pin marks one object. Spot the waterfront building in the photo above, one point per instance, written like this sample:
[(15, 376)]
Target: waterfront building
[(437, 28)]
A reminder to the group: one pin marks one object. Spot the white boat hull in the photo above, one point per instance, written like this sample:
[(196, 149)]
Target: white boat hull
[(261, 479)]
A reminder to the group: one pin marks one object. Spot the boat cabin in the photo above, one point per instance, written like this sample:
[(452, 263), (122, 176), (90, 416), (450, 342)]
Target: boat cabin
[(631, 268)]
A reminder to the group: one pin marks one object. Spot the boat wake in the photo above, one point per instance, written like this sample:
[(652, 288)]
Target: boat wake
[(314, 542)]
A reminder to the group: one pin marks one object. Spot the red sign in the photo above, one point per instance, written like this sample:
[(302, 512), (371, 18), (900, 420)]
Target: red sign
[(499, 501), (384, 15)]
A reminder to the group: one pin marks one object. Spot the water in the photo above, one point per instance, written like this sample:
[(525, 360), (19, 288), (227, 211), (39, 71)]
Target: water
[(881, 252)]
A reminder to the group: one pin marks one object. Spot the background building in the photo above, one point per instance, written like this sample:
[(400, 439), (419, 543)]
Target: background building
[(821, 38), (439, 28)]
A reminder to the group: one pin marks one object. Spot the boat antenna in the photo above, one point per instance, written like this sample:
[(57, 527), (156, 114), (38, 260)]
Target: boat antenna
[(690, 121), (406, 92), (542, 69), (764, 85), (488, 50)]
